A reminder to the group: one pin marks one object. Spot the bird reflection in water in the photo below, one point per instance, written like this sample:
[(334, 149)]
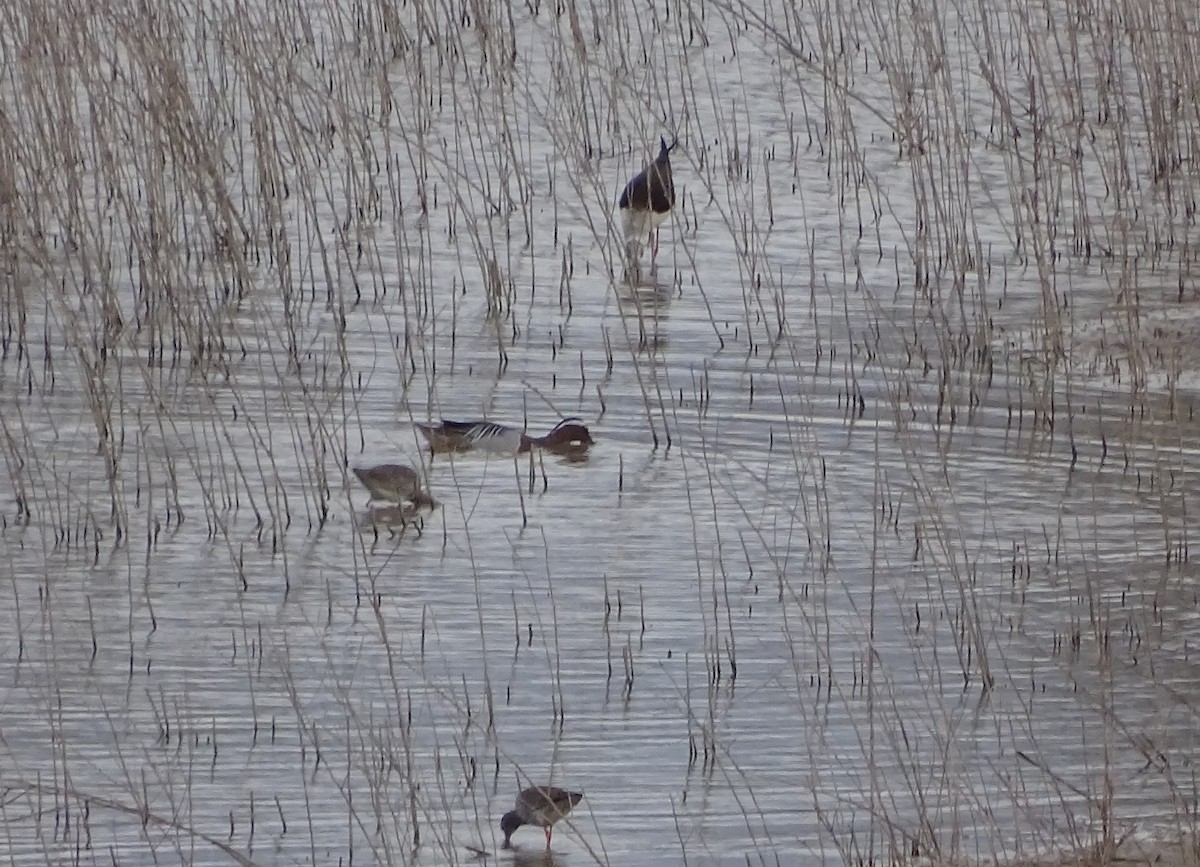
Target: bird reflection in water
[(396, 520), (538, 858), (532, 857)]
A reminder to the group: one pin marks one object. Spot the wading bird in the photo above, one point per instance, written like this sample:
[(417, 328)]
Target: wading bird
[(541, 806), (395, 483), (646, 202)]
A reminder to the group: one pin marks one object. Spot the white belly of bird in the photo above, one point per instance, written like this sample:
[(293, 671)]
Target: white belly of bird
[(638, 223)]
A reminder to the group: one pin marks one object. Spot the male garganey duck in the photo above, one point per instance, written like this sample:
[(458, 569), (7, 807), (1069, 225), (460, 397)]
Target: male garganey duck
[(569, 436)]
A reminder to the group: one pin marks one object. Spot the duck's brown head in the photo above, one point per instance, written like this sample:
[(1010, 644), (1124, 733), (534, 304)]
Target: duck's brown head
[(569, 435)]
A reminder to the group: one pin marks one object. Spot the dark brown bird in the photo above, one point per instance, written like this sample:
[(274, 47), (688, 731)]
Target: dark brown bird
[(647, 200), (541, 806)]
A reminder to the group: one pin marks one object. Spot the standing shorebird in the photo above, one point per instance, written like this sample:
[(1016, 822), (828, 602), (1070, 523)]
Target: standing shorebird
[(569, 436), (395, 483), (541, 806), (646, 202)]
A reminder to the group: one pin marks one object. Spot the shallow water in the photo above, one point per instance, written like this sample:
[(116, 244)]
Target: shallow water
[(859, 567)]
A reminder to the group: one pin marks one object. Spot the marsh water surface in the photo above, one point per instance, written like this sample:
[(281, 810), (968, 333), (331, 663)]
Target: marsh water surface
[(883, 549)]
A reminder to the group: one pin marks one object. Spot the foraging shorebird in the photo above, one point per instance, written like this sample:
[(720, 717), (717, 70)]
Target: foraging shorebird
[(541, 806), (567, 437), (395, 483), (647, 200)]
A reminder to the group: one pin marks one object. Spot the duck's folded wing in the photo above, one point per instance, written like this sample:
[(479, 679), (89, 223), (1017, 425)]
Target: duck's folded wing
[(482, 431)]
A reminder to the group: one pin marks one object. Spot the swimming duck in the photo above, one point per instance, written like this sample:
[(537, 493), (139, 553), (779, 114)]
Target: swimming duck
[(568, 436)]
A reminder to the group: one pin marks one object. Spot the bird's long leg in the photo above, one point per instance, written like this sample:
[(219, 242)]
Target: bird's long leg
[(520, 492), (632, 257), (549, 831)]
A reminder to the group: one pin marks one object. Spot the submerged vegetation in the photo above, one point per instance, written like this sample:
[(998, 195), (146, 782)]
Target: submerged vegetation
[(883, 549)]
